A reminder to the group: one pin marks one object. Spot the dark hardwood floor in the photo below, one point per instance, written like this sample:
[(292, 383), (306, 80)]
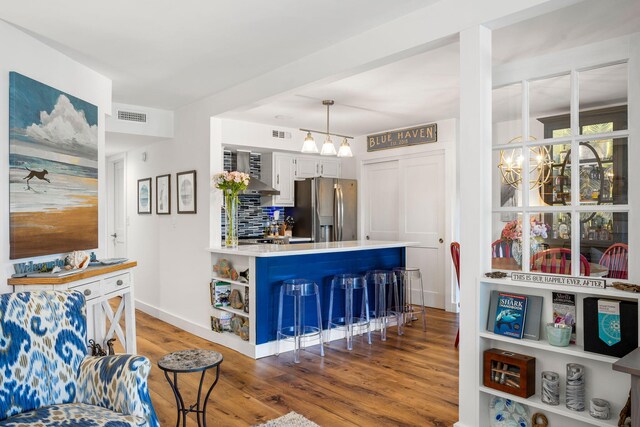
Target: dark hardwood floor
[(410, 380)]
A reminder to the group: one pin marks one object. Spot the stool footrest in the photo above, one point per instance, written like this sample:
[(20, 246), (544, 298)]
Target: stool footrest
[(306, 331)]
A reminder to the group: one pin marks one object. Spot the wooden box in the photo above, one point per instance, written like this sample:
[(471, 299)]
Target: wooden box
[(510, 372)]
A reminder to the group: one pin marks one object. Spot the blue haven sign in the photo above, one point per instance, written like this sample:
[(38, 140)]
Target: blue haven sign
[(403, 137)]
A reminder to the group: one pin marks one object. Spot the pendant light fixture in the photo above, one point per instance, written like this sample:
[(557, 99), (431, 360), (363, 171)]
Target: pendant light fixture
[(309, 145), (345, 149), (328, 148), (512, 161)]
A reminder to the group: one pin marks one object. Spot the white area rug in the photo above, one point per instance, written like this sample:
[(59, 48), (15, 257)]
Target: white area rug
[(292, 419)]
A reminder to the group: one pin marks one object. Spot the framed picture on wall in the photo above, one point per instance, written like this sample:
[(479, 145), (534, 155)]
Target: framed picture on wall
[(163, 194), (186, 190), (144, 196), (53, 170)]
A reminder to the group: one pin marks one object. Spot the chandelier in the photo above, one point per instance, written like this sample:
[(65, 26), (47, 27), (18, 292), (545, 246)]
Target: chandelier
[(540, 164), (328, 149)]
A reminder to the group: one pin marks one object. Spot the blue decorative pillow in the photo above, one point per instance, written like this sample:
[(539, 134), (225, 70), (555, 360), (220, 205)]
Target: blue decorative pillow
[(42, 342)]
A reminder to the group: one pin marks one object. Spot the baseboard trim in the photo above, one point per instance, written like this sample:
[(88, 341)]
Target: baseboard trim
[(177, 321)]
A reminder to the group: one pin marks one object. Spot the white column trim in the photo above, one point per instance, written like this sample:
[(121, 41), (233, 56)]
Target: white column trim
[(475, 205)]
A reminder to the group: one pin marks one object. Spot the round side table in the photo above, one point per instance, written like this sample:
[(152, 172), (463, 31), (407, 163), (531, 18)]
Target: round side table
[(185, 361)]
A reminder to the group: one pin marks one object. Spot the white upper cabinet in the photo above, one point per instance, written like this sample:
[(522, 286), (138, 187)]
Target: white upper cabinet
[(278, 170), (312, 166), (306, 167), (330, 168)]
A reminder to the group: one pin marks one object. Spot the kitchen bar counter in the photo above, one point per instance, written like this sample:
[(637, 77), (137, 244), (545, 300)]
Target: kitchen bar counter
[(269, 250), (268, 265)]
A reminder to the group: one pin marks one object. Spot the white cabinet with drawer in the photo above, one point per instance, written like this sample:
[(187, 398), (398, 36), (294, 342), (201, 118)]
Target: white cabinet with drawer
[(115, 283), (90, 290), (98, 285)]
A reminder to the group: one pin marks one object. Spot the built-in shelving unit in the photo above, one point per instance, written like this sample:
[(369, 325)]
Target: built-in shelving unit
[(601, 380), (536, 405), (608, 292), (572, 350), (229, 338), (233, 282)]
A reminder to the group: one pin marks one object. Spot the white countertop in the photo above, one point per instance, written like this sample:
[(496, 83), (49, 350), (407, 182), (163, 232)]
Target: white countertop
[(265, 250)]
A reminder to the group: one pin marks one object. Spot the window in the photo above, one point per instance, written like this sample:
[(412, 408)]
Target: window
[(548, 215)]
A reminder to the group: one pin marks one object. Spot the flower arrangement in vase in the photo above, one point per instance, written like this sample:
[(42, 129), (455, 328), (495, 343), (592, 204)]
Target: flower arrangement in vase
[(512, 234), (231, 184)]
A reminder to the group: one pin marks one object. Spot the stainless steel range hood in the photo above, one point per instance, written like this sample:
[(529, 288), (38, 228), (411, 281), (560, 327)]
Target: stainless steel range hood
[(255, 185)]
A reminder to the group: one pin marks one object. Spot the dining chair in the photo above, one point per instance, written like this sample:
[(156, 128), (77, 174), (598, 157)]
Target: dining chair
[(616, 259), (558, 261), (455, 256), (501, 249)]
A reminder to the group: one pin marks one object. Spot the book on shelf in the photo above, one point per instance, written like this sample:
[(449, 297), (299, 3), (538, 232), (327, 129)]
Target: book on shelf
[(533, 316), (510, 315), (564, 311), (221, 293)]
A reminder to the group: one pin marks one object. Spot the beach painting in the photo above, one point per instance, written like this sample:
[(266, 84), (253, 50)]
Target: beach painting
[(53, 170)]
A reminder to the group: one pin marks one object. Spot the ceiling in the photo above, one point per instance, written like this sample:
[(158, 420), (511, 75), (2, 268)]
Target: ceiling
[(424, 88), (167, 53), (418, 89)]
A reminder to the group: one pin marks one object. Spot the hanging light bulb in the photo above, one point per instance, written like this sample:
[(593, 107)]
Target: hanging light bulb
[(345, 149), (328, 149), (309, 145)]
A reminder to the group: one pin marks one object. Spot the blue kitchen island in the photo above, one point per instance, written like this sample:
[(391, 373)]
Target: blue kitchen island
[(269, 265)]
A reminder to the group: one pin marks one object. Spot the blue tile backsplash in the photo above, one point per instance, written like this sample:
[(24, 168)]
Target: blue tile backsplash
[(252, 217)]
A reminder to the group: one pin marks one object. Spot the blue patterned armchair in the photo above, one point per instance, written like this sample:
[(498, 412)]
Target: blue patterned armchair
[(46, 377)]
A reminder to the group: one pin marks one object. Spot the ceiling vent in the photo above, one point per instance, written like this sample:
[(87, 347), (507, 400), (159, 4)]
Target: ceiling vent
[(132, 116), (280, 134)]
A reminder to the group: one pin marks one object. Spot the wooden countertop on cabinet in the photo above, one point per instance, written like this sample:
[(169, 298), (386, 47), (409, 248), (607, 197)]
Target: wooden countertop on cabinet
[(84, 274)]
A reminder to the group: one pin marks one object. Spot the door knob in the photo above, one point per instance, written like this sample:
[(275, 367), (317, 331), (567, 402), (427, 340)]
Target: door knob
[(367, 237), (114, 235), (441, 240)]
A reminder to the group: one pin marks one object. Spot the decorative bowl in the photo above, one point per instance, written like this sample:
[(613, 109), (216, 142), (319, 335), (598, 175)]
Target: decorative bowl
[(559, 334)]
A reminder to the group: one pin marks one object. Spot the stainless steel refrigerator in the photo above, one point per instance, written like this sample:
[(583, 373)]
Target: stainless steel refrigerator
[(326, 209)]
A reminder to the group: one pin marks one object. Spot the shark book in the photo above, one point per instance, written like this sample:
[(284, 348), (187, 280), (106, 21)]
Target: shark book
[(510, 315)]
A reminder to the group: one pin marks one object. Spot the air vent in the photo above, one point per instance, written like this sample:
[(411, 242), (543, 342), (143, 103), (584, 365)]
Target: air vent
[(131, 116), (280, 134)]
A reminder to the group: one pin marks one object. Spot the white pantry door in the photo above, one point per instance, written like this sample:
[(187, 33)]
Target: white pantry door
[(422, 221), (404, 200), (381, 202)]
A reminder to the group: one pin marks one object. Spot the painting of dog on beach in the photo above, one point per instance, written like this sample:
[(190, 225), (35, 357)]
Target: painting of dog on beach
[(53, 170)]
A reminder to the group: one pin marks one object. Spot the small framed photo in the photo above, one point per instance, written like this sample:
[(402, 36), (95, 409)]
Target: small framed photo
[(163, 194), (144, 196), (186, 190)]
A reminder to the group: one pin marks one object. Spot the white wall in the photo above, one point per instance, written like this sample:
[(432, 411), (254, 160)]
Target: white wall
[(26, 55), (447, 139), (173, 274), (159, 122)]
